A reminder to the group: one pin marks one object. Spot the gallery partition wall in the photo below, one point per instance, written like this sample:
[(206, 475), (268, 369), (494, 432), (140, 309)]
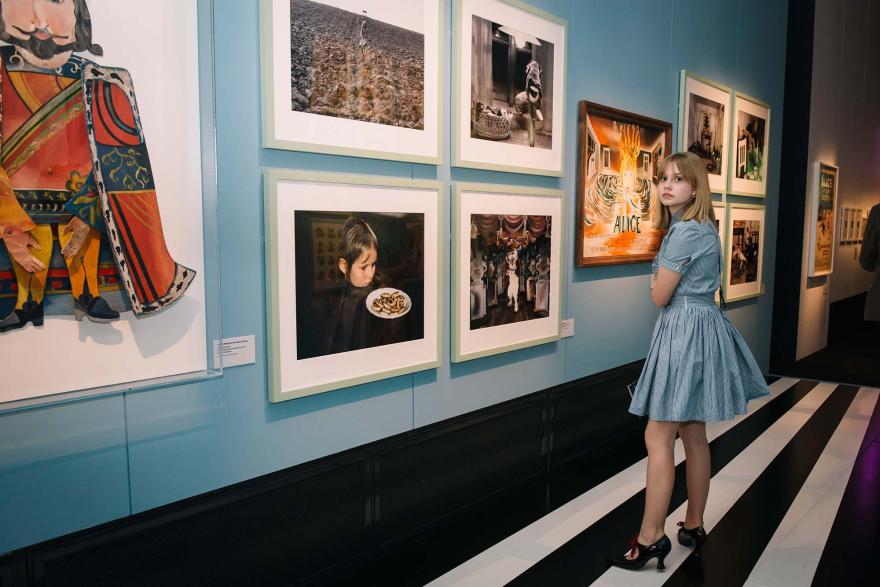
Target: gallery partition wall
[(481, 162)]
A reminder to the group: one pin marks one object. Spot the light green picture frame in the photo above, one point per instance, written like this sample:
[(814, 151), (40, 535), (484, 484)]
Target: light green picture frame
[(461, 83), (552, 330), (731, 295), (735, 185), (275, 276), (722, 234), (717, 184), (384, 146)]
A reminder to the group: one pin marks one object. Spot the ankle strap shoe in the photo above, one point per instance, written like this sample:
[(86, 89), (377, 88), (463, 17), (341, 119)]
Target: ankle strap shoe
[(691, 537), (642, 554)]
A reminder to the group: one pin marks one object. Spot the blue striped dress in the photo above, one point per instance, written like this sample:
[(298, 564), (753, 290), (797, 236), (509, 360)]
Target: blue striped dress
[(698, 366)]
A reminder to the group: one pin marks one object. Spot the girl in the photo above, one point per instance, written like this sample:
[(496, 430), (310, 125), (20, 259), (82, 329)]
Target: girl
[(352, 326), (698, 367)]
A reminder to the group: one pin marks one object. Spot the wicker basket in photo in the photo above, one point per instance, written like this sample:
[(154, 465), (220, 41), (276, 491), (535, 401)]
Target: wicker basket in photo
[(489, 126)]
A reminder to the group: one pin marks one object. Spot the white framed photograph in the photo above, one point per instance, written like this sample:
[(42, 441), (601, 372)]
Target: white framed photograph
[(704, 114), (506, 276), (745, 251), (116, 299), (509, 87), (353, 270), (823, 208), (360, 78), (750, 145)]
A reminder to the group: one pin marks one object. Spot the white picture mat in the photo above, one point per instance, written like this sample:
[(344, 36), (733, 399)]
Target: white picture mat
[(329, 131), (744, 290), (747, 186), (293, 196), (717, 183), (497, 153), (65, 355), (482, 339), (814, 217)]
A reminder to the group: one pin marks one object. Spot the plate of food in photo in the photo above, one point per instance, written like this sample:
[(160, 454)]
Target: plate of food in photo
[(388, 303)]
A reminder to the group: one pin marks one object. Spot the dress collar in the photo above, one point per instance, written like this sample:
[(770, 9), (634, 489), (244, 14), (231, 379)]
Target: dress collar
[(675, 218)]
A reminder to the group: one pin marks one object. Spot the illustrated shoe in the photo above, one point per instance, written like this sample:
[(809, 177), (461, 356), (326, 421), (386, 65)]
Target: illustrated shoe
[(95, 308), (642, 554), (29, 312), (693, 537)]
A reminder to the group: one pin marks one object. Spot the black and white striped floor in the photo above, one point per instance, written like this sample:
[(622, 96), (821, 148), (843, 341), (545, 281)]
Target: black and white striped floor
[(794, 500)]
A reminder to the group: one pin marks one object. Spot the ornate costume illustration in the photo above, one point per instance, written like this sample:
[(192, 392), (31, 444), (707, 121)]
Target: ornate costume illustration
[(73, 167)]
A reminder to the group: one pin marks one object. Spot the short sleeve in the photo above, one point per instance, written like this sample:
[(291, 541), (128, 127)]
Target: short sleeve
[(682, 245)]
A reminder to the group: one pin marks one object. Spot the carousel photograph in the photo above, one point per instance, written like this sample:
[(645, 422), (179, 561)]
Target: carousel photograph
[(506, 269), (510, 269)]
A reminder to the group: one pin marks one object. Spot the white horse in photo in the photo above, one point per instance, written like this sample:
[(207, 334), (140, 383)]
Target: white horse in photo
[(513, 280)]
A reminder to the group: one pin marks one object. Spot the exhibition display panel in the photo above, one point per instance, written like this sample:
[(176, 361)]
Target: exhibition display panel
[(110, 178)]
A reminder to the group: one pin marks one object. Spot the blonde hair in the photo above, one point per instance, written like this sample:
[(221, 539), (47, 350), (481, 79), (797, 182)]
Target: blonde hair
[(692, 170)]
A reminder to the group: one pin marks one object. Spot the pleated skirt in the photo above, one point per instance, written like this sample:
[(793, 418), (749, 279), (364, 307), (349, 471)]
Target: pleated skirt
[(698, 366)]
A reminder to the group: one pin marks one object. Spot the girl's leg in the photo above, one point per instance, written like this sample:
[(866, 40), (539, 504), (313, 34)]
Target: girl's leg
[(659, 440), (698, 466)]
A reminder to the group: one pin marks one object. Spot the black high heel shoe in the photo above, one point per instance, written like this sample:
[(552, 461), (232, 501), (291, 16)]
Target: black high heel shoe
[(658, 550), (693, 537)]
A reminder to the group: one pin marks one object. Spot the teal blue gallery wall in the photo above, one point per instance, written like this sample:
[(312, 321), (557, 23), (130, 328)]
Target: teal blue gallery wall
[(68, 467)]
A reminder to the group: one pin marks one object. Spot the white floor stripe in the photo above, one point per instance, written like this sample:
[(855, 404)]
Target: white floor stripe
[(727, 486), (793, 554), (512, 556)]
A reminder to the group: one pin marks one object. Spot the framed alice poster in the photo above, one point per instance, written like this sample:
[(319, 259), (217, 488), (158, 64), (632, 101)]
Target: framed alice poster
[(619, 155), (353, 272), (704, 113), (823, 209), (506, 270), (750, 146), (509, 87), (109, 255), (745, 252), (720, 211), (360, 78)]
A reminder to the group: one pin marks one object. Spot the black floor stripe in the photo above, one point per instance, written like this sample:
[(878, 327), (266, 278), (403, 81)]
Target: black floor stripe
[(736, 542), (581, 560), (851, 549)]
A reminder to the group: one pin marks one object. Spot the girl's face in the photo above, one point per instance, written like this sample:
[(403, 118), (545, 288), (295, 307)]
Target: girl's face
[(362, 270), (675, 191)]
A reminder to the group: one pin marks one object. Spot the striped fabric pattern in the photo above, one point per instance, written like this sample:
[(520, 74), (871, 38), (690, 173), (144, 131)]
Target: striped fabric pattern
[(698, 366)]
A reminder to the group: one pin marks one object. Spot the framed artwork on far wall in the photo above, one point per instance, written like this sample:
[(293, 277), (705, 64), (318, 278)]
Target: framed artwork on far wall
[(353, 279), (745, 252), (704, 115), (619, 154), (823, 210), (506, 269), (354, 78), (508, 87), (750, 145)]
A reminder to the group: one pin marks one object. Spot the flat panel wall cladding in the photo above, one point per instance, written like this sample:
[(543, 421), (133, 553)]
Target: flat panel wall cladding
[(271, 536), (6, 572), (419, 482), (585, 416)]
